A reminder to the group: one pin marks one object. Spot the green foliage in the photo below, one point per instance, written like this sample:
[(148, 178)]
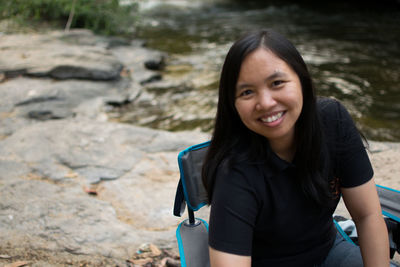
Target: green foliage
[(102, 16)]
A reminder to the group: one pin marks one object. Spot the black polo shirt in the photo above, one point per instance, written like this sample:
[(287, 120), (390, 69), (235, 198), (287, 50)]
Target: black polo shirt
[(259, 210)]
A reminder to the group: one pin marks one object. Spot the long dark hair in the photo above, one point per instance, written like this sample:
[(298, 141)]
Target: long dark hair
[(229, 131)]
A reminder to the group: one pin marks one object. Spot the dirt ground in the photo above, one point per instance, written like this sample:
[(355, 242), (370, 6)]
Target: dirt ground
[(22, 256)]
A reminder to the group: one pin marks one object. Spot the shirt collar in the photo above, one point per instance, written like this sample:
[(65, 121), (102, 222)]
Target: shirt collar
[(276, 164)]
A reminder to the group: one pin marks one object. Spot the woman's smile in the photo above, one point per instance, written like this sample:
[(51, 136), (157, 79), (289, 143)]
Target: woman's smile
[(272, 118)]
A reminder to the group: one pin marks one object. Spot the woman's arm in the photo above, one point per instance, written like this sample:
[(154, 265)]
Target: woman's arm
[(363, 204), (223, 259)]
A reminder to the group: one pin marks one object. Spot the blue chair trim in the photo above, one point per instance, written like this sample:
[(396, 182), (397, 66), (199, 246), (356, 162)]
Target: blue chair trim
[(180, 155), (388, 188), (340, 230), (205, 223), (397, 219), (180, 245)]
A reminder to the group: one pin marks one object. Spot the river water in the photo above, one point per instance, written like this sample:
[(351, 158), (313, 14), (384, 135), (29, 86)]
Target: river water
[(352, 52)]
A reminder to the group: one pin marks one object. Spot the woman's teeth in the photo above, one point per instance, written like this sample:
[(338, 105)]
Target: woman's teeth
[(272, 118)]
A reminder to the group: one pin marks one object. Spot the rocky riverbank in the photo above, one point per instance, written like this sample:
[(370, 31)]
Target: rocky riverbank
[(77, 188)]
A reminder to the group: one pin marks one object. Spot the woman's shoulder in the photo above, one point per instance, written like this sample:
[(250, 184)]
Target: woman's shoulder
[(337, 123), (331, 109), (328, 104)]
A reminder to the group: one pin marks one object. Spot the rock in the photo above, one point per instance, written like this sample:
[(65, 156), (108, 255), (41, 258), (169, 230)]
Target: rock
[(44, 166), (76, 184), (26, 99), (170, 86), (43, 115), (134, 58), (155, 64), (152, 78), (63, 219), (81, 37), (68, 72), (377, 147), (51, 55), (45, 99)]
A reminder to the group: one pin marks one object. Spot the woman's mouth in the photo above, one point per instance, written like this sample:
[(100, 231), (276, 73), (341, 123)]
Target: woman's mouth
[(272, 118)]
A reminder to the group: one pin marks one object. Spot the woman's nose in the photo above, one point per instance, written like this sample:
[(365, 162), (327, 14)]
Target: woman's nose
[(265, 100)]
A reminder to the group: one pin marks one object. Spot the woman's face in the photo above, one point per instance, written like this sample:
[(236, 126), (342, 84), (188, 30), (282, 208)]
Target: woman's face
[(269, 97)]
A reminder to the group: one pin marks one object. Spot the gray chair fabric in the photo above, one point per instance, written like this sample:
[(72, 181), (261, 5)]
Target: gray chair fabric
[(193, 244), (190, 164), (390, 202)]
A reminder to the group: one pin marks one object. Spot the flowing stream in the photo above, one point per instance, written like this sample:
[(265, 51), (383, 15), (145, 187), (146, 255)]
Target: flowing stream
[(353, 53)]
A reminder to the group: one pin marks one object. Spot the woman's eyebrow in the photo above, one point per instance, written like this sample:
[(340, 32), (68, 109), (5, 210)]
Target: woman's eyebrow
[(277, 74), (242, 86)]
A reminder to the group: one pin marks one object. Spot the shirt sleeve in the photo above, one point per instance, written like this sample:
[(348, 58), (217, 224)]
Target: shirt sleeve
[(354, 165), (234, 209)]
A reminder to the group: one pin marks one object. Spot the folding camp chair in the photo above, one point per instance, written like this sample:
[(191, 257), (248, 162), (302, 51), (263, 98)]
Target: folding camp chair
[(192, 233), (390, 203)]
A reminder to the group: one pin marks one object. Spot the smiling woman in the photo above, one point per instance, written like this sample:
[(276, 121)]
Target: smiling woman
[(269, 99), (279, 161)]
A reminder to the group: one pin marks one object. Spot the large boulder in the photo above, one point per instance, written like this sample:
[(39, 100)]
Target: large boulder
[(85, 187), (75, 75), (53, 55), (26, 100)]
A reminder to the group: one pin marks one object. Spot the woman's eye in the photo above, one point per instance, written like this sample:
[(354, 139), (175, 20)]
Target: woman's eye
[(246, 92), (277, 83)]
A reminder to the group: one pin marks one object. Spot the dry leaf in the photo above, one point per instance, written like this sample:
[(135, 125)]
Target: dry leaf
[(141, 261), (17, 264), (155, 251), (151, 249), (90, 191), (5, 257)]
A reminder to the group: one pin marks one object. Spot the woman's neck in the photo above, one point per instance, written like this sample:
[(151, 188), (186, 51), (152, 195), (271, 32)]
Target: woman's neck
[(284, 149)]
